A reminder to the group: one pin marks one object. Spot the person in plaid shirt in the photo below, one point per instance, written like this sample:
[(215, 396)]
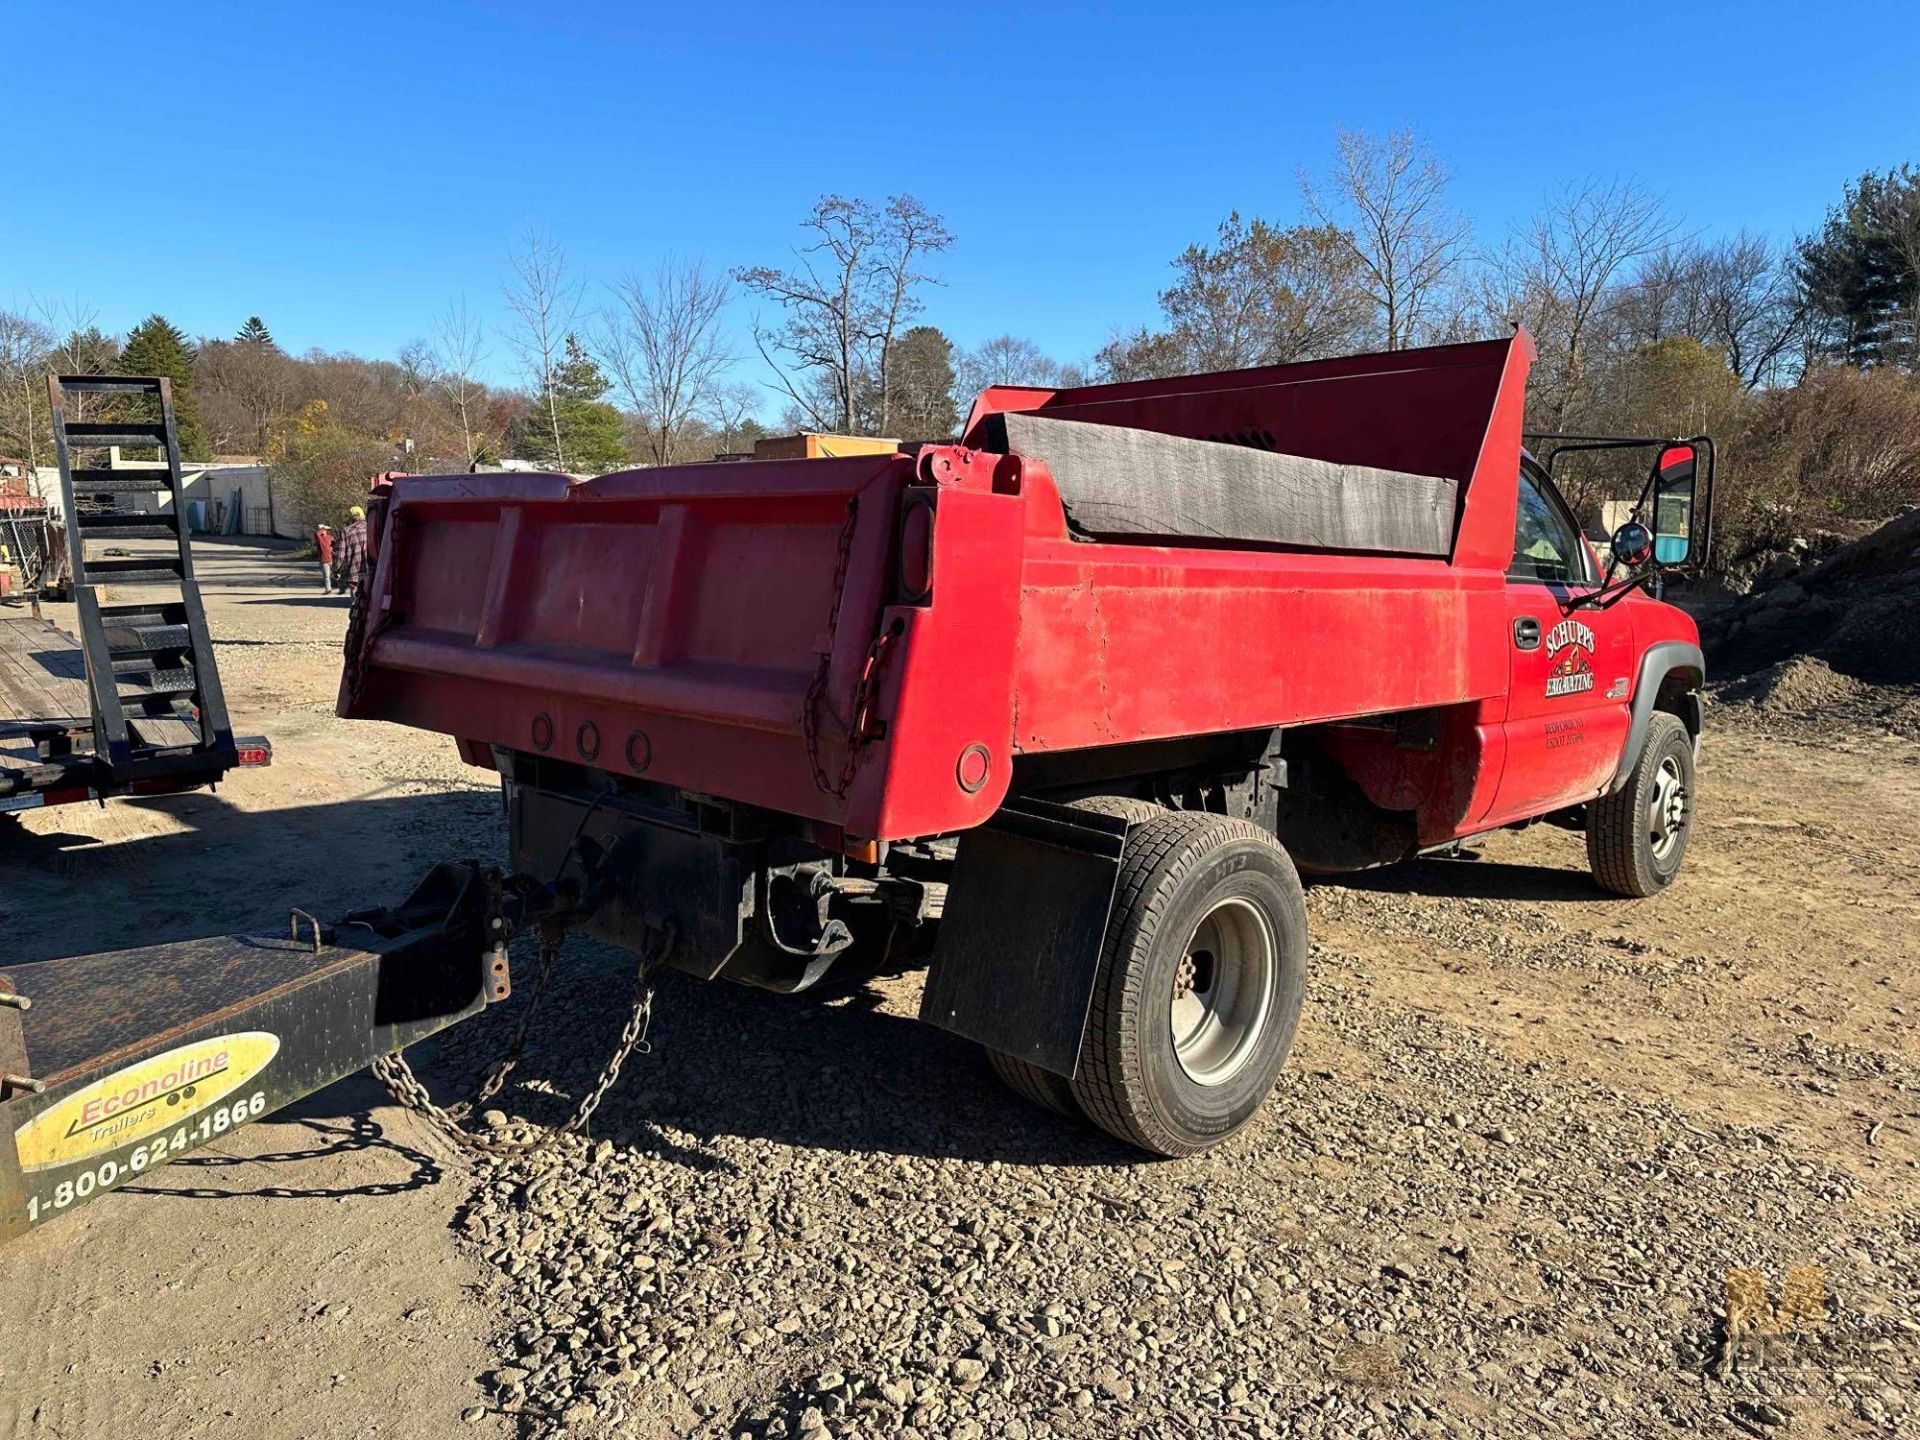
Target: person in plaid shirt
[(350, 551)]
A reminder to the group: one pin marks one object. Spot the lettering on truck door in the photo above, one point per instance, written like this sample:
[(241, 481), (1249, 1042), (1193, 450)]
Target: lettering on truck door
[(1570, 671)]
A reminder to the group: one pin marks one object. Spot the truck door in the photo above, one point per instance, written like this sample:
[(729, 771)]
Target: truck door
[(1570, 672)]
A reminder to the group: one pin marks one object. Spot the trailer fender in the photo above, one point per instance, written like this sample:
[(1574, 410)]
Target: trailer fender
[(1025, 921), (1674, 668)]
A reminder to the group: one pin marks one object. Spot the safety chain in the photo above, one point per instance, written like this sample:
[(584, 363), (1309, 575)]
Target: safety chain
[(817, 687), (405, 1087)]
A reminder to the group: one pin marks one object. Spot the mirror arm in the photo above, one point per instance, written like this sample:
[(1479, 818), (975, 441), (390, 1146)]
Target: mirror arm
[(1610, 595)]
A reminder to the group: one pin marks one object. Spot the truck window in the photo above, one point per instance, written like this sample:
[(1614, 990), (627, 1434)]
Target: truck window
[(1546, 543)]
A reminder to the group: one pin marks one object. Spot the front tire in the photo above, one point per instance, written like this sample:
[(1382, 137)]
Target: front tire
[(1637, 836), (1200, 984)]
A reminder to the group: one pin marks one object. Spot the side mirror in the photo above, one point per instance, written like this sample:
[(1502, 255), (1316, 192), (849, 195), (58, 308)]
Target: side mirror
[(1673, 495), (1633, 544)]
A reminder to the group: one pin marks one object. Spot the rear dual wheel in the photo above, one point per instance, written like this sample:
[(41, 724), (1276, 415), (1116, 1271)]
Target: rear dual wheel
[(1200, 984), (1199, 989)]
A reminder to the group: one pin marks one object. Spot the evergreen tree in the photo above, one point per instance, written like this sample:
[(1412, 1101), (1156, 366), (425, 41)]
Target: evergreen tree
[(593, 435), (1861, 273), (256, 334), (923, 385), (156, 347)]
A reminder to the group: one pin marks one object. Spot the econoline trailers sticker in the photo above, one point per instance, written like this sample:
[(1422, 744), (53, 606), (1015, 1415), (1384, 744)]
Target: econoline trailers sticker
[(143, 1099)]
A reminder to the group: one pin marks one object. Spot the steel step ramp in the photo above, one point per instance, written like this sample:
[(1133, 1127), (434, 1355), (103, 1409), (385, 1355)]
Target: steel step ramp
[(179, 705)]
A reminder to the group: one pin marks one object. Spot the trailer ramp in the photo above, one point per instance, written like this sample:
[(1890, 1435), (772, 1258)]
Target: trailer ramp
[(156, 695)]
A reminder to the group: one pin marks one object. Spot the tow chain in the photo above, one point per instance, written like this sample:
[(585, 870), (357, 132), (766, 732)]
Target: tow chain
[(404, 1086)]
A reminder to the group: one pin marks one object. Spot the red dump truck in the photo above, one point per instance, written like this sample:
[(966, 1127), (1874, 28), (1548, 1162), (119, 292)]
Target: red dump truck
[(1146, 650), (1060, 711)]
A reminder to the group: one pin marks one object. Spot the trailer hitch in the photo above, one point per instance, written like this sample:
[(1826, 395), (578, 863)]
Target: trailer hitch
[(117, 1063)]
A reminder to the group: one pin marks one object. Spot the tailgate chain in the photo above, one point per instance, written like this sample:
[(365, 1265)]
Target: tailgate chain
[(868, 683), (404, 1086)]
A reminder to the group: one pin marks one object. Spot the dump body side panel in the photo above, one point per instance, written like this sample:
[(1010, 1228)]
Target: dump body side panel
[(1126, 643)]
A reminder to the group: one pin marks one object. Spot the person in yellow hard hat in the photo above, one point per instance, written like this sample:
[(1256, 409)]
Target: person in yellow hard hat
[(350, 551)]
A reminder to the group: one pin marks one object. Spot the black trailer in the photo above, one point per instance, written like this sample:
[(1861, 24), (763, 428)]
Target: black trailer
[(111, 1065), (132, 704)]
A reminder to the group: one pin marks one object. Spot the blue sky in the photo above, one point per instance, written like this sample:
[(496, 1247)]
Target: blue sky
[(345, 169)]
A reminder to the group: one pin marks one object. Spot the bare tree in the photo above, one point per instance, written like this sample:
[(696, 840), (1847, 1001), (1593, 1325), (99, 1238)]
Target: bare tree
[(1738, 294), (545, 300), (25, 345), (1559, 275), (459, 350), (911, 232), (1749, 305), (244, 387), (1260, 295), (852, 290), (661, 342), (81, 347), (1004, 360), (730, 410), (1387, 196), (84, 348), (1662, 299)]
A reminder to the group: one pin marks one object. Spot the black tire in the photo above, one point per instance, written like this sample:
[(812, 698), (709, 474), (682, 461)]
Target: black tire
[(1130, 808), (1631, 850), (1182, 869), (1034, 1085)]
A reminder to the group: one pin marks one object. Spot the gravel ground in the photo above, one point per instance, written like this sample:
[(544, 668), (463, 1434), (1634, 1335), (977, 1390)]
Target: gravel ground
[(1526, 1131), (1420, 1235)]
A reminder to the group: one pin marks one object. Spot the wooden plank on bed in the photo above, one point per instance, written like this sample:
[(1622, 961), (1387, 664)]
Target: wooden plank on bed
[(1117, 481), (42, 673), (163, 732)]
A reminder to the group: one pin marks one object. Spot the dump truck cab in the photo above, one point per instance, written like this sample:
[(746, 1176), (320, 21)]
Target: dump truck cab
[(1575, 661)]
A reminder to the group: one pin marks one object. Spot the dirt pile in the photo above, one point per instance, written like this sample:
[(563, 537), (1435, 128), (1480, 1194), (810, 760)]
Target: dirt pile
[(1840, 637)]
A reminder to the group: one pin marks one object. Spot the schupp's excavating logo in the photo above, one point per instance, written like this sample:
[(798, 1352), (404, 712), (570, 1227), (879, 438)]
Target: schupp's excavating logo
[(1572, 673), (143, 1099)]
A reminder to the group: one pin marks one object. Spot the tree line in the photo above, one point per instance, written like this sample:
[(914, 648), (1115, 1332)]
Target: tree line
[(1801, 357)]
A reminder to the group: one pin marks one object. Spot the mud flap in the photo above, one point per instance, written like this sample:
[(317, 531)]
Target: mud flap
[(1020, 940)]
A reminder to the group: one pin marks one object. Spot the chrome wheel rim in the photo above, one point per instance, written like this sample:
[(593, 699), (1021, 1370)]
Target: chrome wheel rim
[(1667, 810), (1223, 992)]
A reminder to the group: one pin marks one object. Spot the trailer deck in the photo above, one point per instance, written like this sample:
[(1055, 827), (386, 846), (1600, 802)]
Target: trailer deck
[(43, 676), (43, 694), (113, 1063)]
